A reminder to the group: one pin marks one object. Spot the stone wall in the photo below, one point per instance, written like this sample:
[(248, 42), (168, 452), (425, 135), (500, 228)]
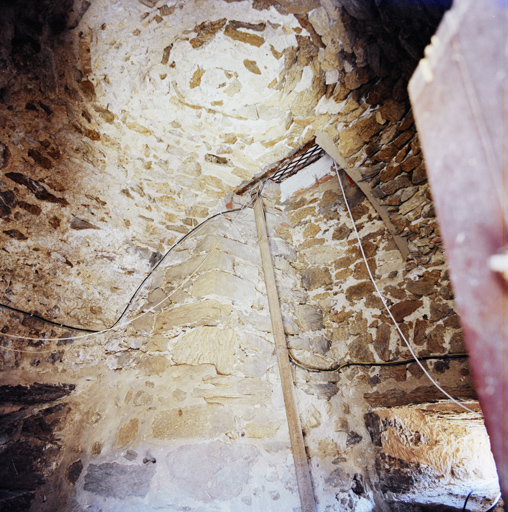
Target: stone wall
[(126, 124), (334, 316), (182, 407)]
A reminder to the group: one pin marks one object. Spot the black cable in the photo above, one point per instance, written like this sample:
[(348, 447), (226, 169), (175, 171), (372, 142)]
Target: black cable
[(492, 507), (398, 362), (5, 306), (184, 237), (467, 499)]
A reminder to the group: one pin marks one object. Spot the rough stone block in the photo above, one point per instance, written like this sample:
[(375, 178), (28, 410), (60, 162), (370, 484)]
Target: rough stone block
[(260, 430), (263, 322), (225, 285), (309, 318), (210, 472), (113, 480), (202, 421), (280, 248), (235, 391), (320, 255), (205, 312), (128, 432), (207, 345), (214, 260), (231, 247)]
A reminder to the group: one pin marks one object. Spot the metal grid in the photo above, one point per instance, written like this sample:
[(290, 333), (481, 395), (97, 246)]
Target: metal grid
[(289, 166), (296, 163)]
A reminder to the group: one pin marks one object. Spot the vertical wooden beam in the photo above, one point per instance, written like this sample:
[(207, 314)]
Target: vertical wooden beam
[(295, 429)]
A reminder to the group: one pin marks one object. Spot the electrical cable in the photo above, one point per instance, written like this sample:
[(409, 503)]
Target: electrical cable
[(117, 324), (383, 300), (396, 362), (496, 501), (176, 244), (492, 507)]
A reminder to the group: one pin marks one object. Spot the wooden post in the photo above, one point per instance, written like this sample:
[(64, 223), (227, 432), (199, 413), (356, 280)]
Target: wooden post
[(295, 429)]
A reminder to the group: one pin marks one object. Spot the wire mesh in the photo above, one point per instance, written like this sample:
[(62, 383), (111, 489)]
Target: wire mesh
[(291, 166)]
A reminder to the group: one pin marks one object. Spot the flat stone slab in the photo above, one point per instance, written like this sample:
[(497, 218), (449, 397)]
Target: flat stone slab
[(113, 480)]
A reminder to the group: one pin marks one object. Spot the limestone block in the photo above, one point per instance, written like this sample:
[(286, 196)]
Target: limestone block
[(280, 248), (143, 324), (316, 278), (214, 260), (260, 321), (231, 247), (321, 255), (224, 285), (202, 421), (254, 366), (260, 430), (211, 472), (157, 343), (247, 272), (290, 326), (320, 21), (206, 312), (314, 344), (256, 345), (235, 391), (207, 345), (309, 318)]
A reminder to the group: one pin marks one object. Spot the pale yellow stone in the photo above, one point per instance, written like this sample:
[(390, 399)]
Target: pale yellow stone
[(201, 421), (225, 285), (213, 260), (157, 343), (321, 254), (128, 432), (200, 313), (232, 247), (311, 230), (258, 431), (207, 345), (231, 390)]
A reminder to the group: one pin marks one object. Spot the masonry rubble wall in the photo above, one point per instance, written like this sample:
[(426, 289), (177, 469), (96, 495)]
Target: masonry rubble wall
[(111, 149)]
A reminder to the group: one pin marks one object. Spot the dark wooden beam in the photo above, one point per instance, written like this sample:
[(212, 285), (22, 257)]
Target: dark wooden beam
[(420, 395)]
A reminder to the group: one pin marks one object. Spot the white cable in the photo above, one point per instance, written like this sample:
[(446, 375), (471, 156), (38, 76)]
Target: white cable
[(388, 309), (128, 322)]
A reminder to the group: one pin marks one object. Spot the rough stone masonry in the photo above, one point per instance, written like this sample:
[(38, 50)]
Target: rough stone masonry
[(124, 125)]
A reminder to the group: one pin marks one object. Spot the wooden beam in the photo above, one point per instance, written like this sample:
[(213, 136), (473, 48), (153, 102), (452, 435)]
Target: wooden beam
[(420, 395), (325, 141), (295, 429)]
